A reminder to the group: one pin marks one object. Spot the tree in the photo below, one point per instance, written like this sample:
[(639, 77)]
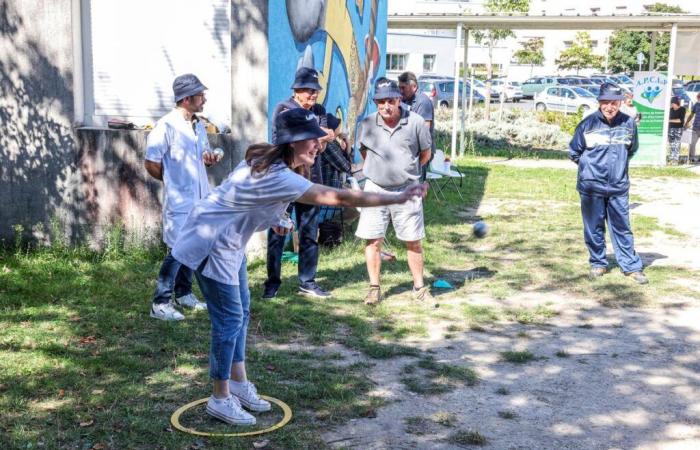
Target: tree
[(491, 37), (580, 55), (624, 45), (530, 53)]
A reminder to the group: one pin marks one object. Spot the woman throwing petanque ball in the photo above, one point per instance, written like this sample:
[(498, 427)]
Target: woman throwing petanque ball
[(212, 242)]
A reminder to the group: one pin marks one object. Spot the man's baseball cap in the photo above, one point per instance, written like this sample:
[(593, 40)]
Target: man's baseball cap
[(609, 91), (386, 88), (332, 121), (187, 85), (297, 124), (306, 78)]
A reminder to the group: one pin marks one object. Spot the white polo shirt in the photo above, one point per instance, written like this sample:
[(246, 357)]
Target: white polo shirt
[(220, 225), (179, 148)]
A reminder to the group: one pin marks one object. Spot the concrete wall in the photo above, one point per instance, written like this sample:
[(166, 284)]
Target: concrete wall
[(88, 179)]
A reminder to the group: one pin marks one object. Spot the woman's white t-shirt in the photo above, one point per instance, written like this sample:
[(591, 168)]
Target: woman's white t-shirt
[(221, 224)]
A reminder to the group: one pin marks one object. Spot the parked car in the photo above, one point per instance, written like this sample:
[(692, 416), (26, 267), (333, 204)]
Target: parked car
[(432, 76), (693, 89), (568, 99), (441, 92), (592, 88), (480, 87), (510, 89), (680, 92), (535, 85)]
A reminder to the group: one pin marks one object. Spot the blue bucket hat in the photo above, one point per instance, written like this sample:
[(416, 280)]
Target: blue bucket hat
[(332, 121), (306, 78), (386, 88), (609, 91), (187, 85), (297, 124)]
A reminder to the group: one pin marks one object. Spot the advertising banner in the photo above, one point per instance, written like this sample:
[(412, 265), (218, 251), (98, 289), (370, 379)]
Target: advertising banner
[(651, 102)]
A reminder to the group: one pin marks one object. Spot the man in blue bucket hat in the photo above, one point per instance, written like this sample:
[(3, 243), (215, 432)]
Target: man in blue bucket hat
[(305, 90), (602, 146)]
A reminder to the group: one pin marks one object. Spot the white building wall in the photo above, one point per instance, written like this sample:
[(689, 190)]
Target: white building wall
[(554, 40)]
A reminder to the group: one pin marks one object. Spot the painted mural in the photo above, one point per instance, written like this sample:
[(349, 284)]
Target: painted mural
[(344, 40)]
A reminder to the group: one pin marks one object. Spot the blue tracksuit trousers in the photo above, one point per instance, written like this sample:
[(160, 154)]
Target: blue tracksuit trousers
[(595, 210)]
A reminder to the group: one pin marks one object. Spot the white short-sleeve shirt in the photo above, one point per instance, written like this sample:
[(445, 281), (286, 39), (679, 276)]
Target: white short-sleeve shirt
[(221, 224), (179, 148)]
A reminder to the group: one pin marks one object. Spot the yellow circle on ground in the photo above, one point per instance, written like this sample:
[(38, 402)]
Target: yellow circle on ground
[(175, 419)]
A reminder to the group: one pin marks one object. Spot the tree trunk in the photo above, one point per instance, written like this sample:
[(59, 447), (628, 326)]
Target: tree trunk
[(489, 75)]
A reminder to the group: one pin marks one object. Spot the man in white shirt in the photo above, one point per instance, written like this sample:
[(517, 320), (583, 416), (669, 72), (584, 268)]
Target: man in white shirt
[(177, 152)]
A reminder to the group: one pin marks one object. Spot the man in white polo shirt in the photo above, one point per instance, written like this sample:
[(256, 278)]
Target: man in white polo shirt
[(177, 152), (395, 144)]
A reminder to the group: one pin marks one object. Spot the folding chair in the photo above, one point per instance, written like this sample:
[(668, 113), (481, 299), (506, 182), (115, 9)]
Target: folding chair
[(432, 179), (437, 167)]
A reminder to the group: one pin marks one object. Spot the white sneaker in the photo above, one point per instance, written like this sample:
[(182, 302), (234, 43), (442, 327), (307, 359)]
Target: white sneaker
[(165, 311), (190, 301), (248, 395), (229, 410)]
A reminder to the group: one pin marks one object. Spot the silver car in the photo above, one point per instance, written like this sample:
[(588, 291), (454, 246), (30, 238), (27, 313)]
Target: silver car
[(567, 99), (511, 90)]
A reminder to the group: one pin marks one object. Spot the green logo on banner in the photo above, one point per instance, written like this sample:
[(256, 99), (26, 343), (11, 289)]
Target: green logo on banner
[(650, 93)]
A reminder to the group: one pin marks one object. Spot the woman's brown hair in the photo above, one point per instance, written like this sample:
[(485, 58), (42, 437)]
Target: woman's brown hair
[(261, 156)]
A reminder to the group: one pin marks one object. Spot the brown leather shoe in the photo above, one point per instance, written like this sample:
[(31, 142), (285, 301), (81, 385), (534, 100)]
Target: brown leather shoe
[(374, 296), (639, 277), (597, 272)]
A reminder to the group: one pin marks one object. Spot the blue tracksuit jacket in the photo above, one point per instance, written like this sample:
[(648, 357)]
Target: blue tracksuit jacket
[(602, 152)]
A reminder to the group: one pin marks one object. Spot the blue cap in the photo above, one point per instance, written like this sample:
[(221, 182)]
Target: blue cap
[(297, 124), (306, 78), (609, 91), (386, 88), (332, 121), (187, 85)]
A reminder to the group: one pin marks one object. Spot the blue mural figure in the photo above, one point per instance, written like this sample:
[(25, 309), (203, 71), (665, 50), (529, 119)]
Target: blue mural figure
[(341, 39)]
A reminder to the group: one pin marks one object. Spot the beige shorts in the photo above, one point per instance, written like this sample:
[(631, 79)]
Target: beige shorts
[(407, 218)]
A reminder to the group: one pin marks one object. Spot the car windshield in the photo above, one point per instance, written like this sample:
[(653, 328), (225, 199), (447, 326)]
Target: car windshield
[(515, 83), (479, 83), (582, 92), (678, 91), (624, 79), (563, 81)]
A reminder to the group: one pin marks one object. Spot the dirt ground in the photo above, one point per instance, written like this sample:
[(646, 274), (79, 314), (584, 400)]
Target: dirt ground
[(602, 378)]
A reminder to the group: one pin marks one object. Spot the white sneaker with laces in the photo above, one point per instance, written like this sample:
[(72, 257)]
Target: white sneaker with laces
[(190, 301), (248, 395), (229, 410), (165, 311)]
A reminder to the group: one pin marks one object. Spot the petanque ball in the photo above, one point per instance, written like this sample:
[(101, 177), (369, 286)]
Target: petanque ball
[(480, 229)]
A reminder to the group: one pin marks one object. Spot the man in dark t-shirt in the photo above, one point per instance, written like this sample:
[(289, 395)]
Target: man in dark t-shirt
[(694, 119), (676, 122), (418, 103)]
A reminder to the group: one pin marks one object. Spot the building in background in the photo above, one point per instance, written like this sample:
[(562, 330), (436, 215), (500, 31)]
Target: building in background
[(421, 50)]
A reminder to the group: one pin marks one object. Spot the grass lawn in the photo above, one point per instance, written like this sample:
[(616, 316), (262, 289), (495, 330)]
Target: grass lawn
[(83, 366)]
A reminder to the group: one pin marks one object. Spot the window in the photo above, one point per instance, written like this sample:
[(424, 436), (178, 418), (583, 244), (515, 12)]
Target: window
[(620, 9), (131, 59), (428, 63), (568, 44), (396, 61), (553, 91), (595, 10)]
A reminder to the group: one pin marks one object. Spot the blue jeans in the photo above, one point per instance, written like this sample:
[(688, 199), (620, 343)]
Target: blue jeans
[(172, 276), (229, 312), (595, 210), (307, 225)]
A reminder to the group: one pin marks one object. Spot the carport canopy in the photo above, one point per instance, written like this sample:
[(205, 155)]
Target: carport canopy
[(517, 21)]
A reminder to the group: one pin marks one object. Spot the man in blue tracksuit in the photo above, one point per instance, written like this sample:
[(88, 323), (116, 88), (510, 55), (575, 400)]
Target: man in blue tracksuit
[(602, 146)]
